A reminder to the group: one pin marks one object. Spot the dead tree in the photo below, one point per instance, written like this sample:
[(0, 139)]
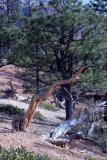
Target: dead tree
[(82, 126)]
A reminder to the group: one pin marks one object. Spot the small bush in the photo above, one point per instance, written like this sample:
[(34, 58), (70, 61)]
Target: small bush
[(11, 110), (38, 116), (48, 106), (89, 158), (20, 154)]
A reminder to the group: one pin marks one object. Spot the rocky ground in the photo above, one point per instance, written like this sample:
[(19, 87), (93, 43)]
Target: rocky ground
[(32, 139)]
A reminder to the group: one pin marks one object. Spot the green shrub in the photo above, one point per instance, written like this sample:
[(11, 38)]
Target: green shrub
[(48, 106), (38, 116), (20, 154), (11, 110), (89, 158)]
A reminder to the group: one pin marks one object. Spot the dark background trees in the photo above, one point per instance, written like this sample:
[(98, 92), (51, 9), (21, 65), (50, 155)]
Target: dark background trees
[(53, 39)]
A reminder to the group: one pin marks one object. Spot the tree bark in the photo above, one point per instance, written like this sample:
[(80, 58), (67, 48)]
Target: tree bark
[(70, 106), (69, 109)]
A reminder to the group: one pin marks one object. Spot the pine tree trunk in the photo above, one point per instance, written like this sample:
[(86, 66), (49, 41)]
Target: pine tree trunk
[(70, 106)]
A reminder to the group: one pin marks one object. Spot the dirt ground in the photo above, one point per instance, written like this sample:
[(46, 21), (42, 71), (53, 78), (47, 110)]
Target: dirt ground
[(32, 139), (10, 73)]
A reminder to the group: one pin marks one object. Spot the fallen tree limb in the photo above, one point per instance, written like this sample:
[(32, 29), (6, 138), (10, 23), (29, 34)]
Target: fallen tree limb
[(66, 126), (69, 124), (62, 141), (71, 129)]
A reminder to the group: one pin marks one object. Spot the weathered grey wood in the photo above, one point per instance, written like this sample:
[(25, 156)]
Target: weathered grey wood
[(66, 126)]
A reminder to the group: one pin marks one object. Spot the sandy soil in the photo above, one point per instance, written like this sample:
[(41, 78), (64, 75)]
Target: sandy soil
[(32, 139)]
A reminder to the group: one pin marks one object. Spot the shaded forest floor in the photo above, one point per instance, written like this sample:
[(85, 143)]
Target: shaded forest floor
[(32, 139)]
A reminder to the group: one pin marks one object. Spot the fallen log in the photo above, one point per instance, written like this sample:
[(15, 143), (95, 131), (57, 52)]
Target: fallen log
[(64, 141), (66, 126), (69, 124)]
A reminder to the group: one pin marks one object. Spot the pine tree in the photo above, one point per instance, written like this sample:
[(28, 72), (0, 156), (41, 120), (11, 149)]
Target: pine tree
[(67, 36), (9, 22), (99, 5)]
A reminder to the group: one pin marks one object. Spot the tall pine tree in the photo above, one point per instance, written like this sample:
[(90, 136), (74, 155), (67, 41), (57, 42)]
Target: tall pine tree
[(99, 5), (62, 37)]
